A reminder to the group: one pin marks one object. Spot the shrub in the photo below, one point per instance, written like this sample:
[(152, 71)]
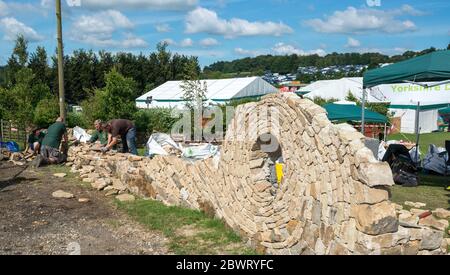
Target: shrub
[(154, 120), (46, 112), (75, 119)]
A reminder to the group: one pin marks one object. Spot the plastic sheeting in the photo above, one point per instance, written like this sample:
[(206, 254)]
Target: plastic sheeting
[(157, 141), (81, 135), (412, 152), (436, 160), (162, 144), (200, 152)]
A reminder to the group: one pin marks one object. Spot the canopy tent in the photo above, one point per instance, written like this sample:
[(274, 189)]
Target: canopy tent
[(342, 113), (445, 111), (431, 67), (170, 94), (338, 89), (434, 66)]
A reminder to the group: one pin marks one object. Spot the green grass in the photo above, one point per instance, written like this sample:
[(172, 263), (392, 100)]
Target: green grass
[(424, 141), (141, 152), (432, 191), (188, 231)]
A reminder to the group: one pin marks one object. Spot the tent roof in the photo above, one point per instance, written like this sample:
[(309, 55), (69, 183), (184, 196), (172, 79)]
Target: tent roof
[(338, 112), (444, 111), (218, 89), (336, 88), (434, 66)]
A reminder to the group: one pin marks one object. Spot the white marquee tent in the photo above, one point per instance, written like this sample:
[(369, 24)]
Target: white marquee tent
[(403, 99), (335, 89), (219, 91)]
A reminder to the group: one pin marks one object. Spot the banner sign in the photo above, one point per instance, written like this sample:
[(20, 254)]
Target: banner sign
[(406, 93)]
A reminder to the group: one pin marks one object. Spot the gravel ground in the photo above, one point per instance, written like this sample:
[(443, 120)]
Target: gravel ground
[(33, 222)]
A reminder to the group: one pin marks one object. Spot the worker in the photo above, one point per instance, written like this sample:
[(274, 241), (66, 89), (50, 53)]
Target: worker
[(124, 129), (50, 149), (35, 141), (100, 134)]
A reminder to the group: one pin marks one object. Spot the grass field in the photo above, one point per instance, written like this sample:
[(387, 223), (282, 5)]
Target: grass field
[(430, 191), (424, 141), (188, 231)]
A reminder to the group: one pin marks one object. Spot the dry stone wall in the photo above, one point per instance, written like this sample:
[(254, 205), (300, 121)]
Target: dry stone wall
[(333, 199)]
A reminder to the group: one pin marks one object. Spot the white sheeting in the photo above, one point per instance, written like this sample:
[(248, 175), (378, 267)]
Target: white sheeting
[(81, 135)]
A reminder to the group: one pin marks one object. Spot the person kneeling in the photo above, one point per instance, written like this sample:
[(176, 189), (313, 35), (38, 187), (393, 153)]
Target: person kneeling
[(50, 153)]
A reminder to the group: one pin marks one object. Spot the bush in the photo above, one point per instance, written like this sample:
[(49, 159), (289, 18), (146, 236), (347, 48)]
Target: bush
[(94, 108), (154, 120), (46, 112), (75, 119)]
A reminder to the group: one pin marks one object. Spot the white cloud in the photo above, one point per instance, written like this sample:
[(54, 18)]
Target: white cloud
[(132, 41), (139, 4), (209, 42), (12, 28), (353, 20), (243, 52), (187, 43), (204, 20), (169, 42), (99, 28), (4, 10), (163, 28), (286, 49), (352, 43), (105, 22), (410, 10)]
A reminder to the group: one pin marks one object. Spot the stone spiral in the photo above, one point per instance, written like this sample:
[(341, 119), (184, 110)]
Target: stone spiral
[(333, 199)]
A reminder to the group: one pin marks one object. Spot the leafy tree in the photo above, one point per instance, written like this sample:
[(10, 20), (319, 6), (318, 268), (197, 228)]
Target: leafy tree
[(94, 107), (47, 110), (120, 96), (194, 91), (20, 52), (39, 66)]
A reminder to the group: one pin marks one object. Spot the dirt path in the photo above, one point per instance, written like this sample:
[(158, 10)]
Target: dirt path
[(33, 222)]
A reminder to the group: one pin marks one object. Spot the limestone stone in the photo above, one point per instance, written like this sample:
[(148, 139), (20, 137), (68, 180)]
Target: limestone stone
[(125, 198), (441, 213), (376, 174), (60, 175), (431, 221), (411, 248), (376, 219), (431, 239), (62, 195), (84, 200), (415, 204)]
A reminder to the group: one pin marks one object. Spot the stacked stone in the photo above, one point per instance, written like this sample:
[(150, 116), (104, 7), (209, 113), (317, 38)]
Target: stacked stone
[(333, 198)]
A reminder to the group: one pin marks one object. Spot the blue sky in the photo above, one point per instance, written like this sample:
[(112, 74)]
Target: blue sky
[(230, 29)]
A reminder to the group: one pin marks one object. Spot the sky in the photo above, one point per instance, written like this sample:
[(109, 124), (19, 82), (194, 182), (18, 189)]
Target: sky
[(222, 30)]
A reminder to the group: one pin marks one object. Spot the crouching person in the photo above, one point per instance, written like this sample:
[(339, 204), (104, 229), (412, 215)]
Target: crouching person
[(35, 141), (50, 153), (100, 134), (121, 128)]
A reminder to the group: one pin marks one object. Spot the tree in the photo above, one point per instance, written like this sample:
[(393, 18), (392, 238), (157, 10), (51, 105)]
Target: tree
[(120, 96), (194, 91), (39, 66), (20, 52), (46, 112)]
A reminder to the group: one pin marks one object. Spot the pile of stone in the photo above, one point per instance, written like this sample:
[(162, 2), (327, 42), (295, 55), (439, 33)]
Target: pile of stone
[(333, 199), (93, 169)]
